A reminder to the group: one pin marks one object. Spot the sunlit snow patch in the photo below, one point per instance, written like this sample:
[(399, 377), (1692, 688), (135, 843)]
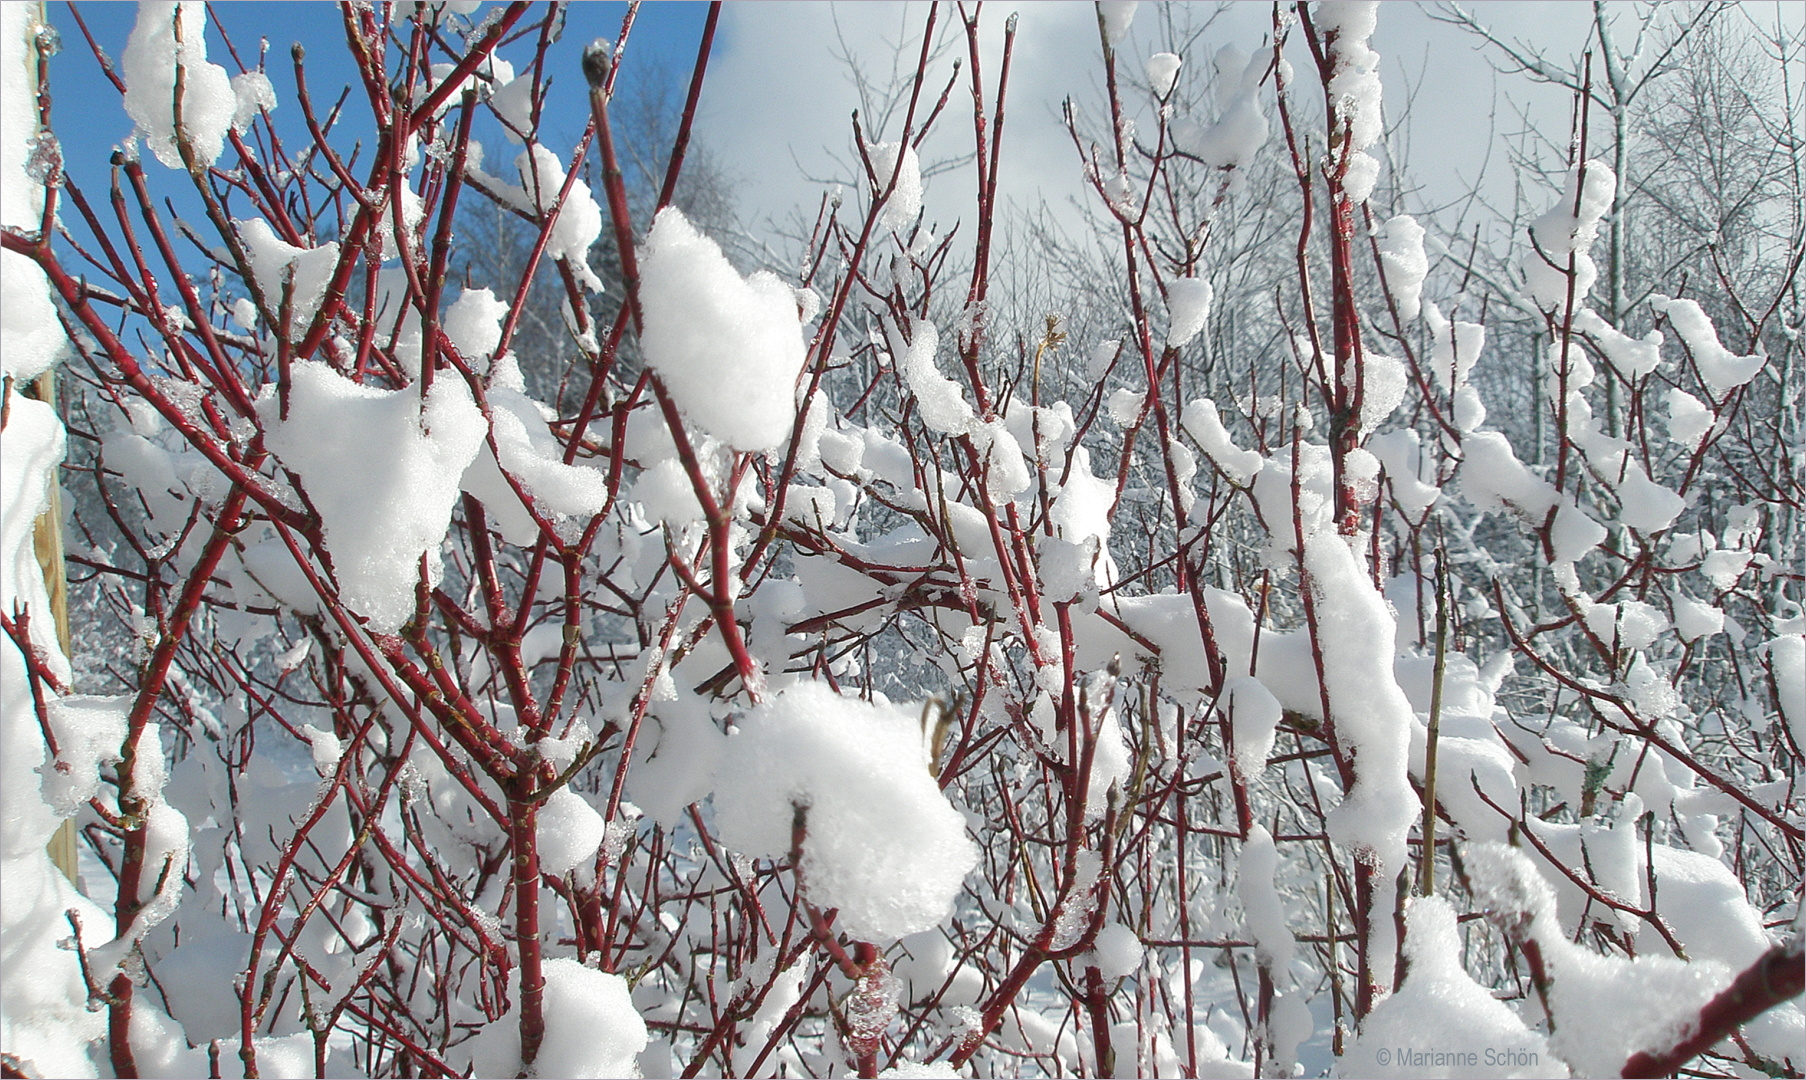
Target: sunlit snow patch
[(880, 841), (727, 348), (383, 473)]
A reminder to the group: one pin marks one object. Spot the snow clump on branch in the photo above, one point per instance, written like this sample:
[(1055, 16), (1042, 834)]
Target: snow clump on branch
[(592, 1028), (1719, 368), (1162, 70), (1565, 232), (579, 223), (1118, 16), (1187, 309), (1406, 266), (171, 38), (1441, 1006), (1354, 86), (293, 280), (728, 348), (1240, 128), (850, 779), (905, 200), (383, 473)]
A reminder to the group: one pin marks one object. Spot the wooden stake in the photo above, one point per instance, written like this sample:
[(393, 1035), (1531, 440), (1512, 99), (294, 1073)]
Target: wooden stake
[(47, 545)]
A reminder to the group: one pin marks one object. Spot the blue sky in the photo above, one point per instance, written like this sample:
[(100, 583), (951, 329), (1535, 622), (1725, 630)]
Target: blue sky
[(777, 104), (776, 110), (90, 121)]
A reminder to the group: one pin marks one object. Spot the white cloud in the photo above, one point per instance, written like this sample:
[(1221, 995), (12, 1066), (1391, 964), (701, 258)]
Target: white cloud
[(781, 93), (779, 104)]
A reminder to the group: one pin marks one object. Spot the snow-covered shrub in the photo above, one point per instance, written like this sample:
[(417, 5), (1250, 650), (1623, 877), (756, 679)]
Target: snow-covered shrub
[(869, 669)]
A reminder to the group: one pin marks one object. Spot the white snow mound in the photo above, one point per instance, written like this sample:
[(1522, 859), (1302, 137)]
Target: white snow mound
[(728, 348), (383, 473), (881, 843), (1441, 1022)]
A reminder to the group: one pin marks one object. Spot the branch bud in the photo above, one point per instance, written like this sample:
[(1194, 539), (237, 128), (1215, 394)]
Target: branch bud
[(597, 59)]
